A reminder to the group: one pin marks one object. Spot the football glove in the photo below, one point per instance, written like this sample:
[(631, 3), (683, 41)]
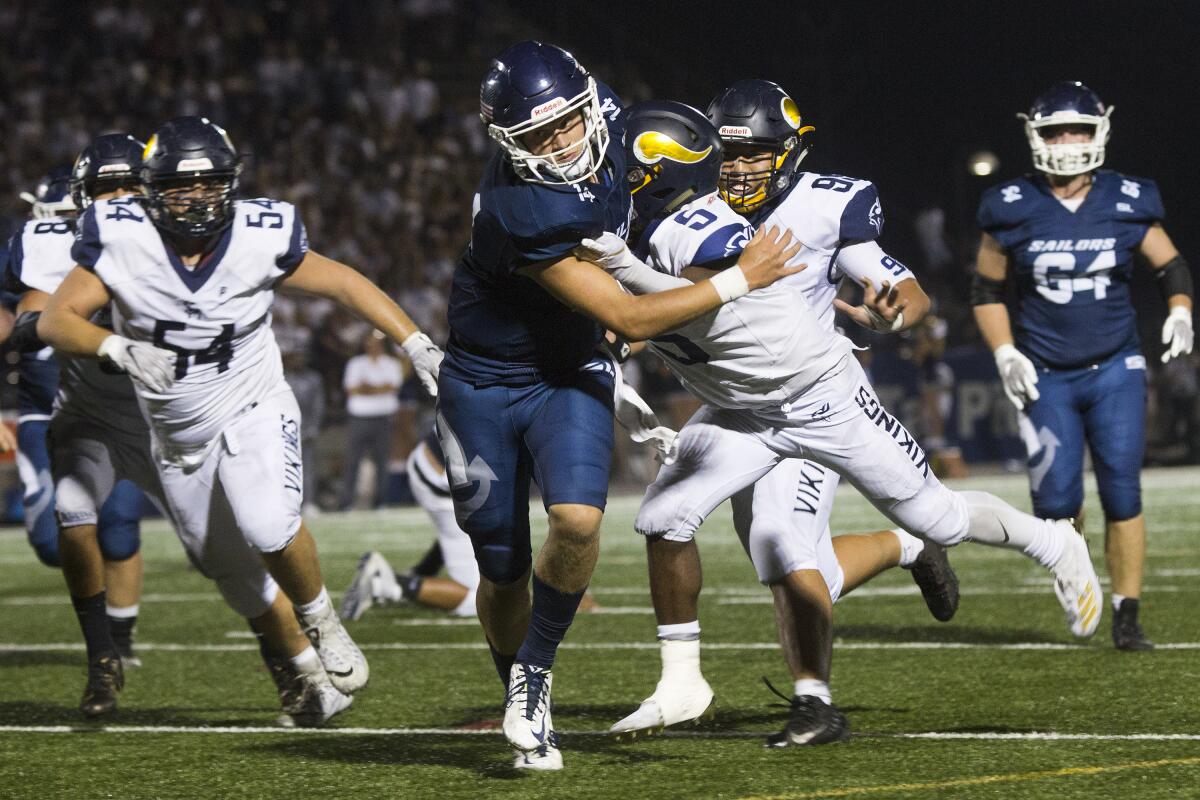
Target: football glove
[(426, 359), (145, 363), (1018, 375), (1177, 333)]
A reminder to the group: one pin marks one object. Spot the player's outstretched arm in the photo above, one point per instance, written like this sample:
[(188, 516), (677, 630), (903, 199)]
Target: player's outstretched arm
[(893, 300), (586, 287), (66, 326), (350, 289), (1017, 373)]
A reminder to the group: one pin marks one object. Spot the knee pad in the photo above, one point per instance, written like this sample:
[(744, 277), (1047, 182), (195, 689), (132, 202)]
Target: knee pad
[(776, 548), (503, 563), (947, 521), (42, 530), (119, 525), (248, 593), (1121, 499)]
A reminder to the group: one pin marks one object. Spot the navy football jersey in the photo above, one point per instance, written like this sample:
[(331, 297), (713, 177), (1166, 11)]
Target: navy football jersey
[(504, 327), (38, 374), (1072, 269)]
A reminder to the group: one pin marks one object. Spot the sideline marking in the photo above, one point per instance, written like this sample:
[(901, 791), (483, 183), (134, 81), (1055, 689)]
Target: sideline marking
[(1011, 777)]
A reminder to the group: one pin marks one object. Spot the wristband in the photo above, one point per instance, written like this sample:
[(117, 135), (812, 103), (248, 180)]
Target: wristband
[(730, 284)]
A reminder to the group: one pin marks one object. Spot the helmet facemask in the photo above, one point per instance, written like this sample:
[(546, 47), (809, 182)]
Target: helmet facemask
[(196, 205), (1067, 158), (759, 186), (550, 168)]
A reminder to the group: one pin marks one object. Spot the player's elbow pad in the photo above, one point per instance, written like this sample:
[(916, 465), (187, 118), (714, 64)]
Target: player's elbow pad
[(1174, 278), (985, 291), (24, 337)]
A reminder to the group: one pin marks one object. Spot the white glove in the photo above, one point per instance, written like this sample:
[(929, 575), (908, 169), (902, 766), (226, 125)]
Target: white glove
[(1018, 375), (609, 251), (641, 423), (145, 363), (1177, 332), (426, 359)]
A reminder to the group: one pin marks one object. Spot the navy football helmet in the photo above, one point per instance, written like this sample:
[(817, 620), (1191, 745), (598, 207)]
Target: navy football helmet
[(531, 85), (673, 154), (110, 161), (1067, 103), (52, 198), (190, 174), (760, 114)]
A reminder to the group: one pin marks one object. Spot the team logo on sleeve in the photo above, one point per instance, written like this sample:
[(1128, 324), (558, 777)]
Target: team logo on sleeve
[(650, 147), (737, 243), (876, 217), (1010, 194)]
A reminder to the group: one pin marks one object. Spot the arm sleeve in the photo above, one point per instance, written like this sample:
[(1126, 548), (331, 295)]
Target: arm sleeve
[(866, 261), (640, 278), (862, 218), (87, 248), (728, 240)]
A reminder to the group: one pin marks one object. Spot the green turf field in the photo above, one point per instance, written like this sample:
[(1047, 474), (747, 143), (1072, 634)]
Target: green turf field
[(998, 703)]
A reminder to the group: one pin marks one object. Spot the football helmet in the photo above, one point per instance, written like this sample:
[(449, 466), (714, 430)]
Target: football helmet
[(190, 174), (673, 153), (110, 161), (1067, 103), (761, 114), (52, 198), (531, 85)]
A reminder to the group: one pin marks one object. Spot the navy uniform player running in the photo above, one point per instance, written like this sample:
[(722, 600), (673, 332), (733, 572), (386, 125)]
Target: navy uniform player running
[(1071, 362), (779, 384), (523, 394), (191, 273)]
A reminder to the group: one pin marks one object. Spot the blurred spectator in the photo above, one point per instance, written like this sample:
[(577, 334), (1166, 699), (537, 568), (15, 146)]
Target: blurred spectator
[(372, 384)]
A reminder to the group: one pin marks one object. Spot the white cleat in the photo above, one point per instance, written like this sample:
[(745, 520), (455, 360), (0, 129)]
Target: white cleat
[(527, 708), (315, 704), (545, 758), (673, 703), (343, 661), (1076, 585), (372, 580)]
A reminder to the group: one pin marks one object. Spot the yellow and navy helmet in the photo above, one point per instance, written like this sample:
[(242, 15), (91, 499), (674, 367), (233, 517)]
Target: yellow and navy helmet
[(760, 113), (672, 153)]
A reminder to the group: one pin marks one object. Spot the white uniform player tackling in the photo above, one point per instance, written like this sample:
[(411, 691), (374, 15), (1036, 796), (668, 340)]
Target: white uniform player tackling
[(191, 275), (830, 414)]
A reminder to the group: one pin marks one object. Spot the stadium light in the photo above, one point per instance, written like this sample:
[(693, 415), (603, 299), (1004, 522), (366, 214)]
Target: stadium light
[(983, 163)]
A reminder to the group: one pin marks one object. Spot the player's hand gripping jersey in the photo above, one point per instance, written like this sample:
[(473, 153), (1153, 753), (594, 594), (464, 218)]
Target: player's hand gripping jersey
[(214, 316), (838, 219), (86, 387), (505, 328), (1072, 268)]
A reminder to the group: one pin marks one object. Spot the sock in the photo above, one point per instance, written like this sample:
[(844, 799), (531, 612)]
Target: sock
[(993, 521), (1118, 599), (121, 621), (306, 661), (549, 620), (504, 664), (410, 586), (93, 621), (910, 547), (680, 632), (814, 688), (317, 606), (430, 563), (269, 656)]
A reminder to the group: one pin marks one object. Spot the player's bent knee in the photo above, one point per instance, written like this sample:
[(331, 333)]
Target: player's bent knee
[(1122, 507), (946, 520), (120, 539), (575, 523), (250, 595), (503, 564)]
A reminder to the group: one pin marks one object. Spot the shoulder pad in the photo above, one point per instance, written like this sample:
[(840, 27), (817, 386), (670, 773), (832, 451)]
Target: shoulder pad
[(277, 227), (1005, 205), (1133, 199), (614, 114)]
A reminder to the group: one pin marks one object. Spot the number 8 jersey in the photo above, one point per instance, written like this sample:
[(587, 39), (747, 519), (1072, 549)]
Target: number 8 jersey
[(1072, 268), (215, 316)]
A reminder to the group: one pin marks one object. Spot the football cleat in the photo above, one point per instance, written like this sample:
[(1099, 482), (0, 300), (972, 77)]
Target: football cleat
[(106, 679), (673, 703), (812, 721), (527, 707), (313, 702), (932, 573), (545, 758), (370, 586), (1126, 632), (343, 661), (1076, 584)]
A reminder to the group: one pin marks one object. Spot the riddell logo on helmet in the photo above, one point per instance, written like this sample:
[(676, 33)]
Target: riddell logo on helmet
[(548, 108), (735, 130), (189, 164)]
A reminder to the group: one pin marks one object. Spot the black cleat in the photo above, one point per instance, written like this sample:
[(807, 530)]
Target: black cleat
[(1126, 632), (812, 721), (106, 678), (936, 579)]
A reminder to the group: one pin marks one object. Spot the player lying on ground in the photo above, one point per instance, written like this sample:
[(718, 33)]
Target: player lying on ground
[(781, 384)]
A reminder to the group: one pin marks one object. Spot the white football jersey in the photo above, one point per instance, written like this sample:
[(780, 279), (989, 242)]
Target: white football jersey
[(838, 219), (755, 352), (216, 316), (42, 262)]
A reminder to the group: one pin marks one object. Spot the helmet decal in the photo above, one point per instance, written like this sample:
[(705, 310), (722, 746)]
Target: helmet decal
[(650, 147), (790, 112)]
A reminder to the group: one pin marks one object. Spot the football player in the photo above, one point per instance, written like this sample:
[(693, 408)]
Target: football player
[(39, 256), (1072, 363), (780, 383), (191, 272), (523, 394)]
